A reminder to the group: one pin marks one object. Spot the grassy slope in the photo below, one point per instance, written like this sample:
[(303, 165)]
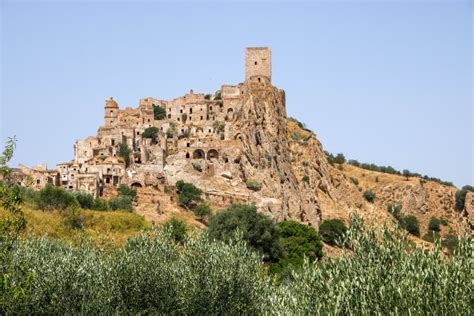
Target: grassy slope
[(104, 229)]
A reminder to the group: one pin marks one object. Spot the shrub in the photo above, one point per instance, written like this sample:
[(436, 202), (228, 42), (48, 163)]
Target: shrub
[(450, 242), (55, 198), (125, 190), (121, 202), (297, 241), (124, 151), (395, 210), (434, 224), (369, 196), (73, 218), (151, 132), (461, 196), (410, 223), (218, 96), (158, 112), (332, 230), (257, 229), (306, 178), (100, 205), (189, 194), (176, 229), (85, 200), (197, 166), (355, 181), (207, 97), (431, 236), (202, 210), (218, 126), (253, 185)]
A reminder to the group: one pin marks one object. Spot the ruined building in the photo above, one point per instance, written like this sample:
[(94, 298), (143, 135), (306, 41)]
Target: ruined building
[(219, 142)]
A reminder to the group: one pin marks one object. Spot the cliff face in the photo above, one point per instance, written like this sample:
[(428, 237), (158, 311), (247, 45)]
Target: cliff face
[(297, 181), (340, 189)]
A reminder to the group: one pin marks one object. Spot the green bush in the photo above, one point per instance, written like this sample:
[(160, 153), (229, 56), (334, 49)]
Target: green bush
[(207, 97), (369, 196), (121, 202), (451, 242), (218, 96), (153, 274), (355, 181), (434, 224), (100, 205), (125, 190), (85, 200), (258, 230), (189, 194), (73, 218), (410, 223), (124, 151), (395, 210), (460, 196), (306, 178), (332, 230), (431, 236), (151, 132), (202, 210), (158, 112), (297, 241), (253, 185), (176, 230), (55, 198)]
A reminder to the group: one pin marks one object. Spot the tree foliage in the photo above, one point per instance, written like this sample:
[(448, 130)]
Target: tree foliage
[(460, 196), (124, 151), (332, 230), (369, 196), (188, 194), (411, 224), (297, 241), (55, 198), (159, 113), (258, 230)]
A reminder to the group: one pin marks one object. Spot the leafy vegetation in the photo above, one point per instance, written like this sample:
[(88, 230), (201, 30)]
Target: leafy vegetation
[(411, 224), (188, 194), (434, 224), (151, 132), (369, 196), (395, 210), (156, 274), (253, 184), (339, 158), (159, 113), (121, 202), (202, 210), (124, 151), (55, 198), (332, 230), (218, 96), (298, 242), (461, 196), (257, 229), (125, 190)]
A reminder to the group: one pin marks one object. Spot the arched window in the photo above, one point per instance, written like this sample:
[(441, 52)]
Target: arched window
[(198, 154), (212, 154)]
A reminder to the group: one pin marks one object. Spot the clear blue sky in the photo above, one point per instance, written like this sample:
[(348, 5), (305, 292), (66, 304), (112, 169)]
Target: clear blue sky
[(383, 82)]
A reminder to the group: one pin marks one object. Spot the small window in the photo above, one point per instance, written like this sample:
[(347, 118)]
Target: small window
[(201, 118), (259, 80), (181, 111), (190, 111), (38, 181), (169, 116), (255, 63), (188, 145), (113, 142)]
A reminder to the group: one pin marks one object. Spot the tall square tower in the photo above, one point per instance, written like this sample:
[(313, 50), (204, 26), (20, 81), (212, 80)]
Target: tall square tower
[(258, 62)]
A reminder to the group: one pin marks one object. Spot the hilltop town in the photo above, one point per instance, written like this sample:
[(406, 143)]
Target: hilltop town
[(237, 145)]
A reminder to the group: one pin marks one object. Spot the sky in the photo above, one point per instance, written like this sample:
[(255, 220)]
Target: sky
[(383, 82)]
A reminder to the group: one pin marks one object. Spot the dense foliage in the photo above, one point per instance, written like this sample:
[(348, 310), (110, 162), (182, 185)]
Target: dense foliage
[(154, 274), (297, 241), (411, 224), (124, 151), (55, 198), (369, 196), (151, 132), (159, 113), (332, 230), (461, 196), (253, 185), (434, 224), (188, 194), (257, 229)]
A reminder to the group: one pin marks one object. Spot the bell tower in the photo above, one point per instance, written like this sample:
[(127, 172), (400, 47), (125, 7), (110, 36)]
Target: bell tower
[(111, 111), (258, 62)]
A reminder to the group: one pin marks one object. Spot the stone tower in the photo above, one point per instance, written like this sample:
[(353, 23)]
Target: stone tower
[(111, 111), (258, 62)]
